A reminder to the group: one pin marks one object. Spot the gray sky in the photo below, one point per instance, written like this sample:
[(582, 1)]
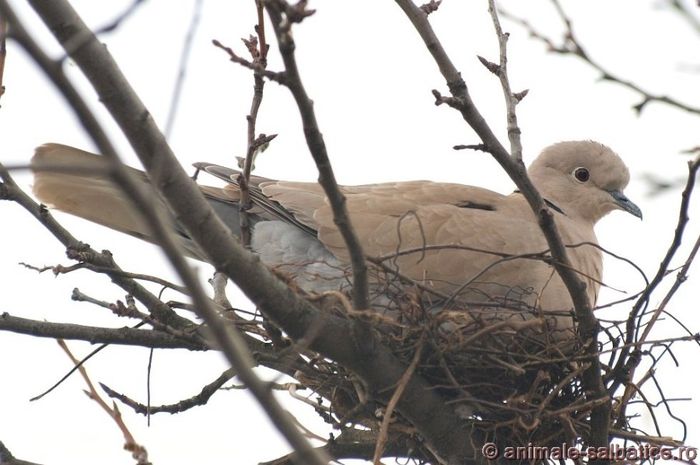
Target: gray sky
[(370, 78)]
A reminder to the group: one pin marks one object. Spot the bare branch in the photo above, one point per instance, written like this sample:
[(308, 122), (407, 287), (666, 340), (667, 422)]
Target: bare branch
[(199, 399), (436, 422), (626, 365), (135, 121), (389, 411), (681, 277), (686, 13), (516, 148), (181, 73), (355, 444), (258, 48), (271, 75), (78, 250), (97, 335), (588, 325), (138, 452), (283, 16), (6, 457), (571, 45), (3, 52), (218, 283)]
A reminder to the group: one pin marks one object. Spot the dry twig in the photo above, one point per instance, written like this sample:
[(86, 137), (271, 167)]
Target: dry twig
[(461, 100), (138, 451), (571, 45)]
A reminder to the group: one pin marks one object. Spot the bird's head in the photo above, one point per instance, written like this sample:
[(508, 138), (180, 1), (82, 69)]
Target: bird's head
[(585, 179)]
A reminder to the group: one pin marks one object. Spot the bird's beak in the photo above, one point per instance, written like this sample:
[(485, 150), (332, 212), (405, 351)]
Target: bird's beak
[(626, 204)]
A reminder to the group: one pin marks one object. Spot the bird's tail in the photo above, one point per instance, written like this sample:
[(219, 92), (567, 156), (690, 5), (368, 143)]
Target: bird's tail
[(79, 183)]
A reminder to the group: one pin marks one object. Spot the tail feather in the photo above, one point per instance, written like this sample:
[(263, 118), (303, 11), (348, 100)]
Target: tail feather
[(77, 182)]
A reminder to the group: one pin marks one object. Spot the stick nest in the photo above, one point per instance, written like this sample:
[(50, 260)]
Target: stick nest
[(514, 373)]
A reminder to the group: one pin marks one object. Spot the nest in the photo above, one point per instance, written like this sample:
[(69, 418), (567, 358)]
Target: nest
[(511, 371)]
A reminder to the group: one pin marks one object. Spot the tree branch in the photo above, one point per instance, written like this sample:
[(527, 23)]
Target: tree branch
[(354, 444), (78, 250), (572, 46), (588, 325), (96, 335), (516, 148), (283, 16), (138, 451), (443, 430), (84, 48), (257, 47), (626, 364), (6, 457), (199, 399)]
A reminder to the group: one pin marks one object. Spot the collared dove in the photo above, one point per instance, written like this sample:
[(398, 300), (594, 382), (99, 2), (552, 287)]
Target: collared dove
[(467, 242)]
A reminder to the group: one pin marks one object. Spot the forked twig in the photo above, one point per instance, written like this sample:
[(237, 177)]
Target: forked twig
[(571, 45), (138, 451)]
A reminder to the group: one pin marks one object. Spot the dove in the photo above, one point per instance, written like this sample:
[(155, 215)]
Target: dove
[(464, 243)]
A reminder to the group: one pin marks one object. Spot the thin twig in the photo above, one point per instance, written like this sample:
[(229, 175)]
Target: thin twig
[(258, 48), (138, 451), (90, 56), (279, 78), (516, 148), (685, 12), (199, 399), (182, 69), (389, 411), (119, 19), (283, 16), (75, 368), (627, 364), (587, 328), (437, 423), (121, 336), (681, 278), (3, 52), (571, 45)]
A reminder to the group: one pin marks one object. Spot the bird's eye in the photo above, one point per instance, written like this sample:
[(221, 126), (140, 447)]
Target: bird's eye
[(581, 174)]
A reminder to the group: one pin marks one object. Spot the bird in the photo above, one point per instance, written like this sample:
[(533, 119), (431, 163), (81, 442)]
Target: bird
[(463, 243)]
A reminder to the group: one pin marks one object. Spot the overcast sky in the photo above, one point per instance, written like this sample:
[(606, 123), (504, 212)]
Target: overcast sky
[(370, 78)]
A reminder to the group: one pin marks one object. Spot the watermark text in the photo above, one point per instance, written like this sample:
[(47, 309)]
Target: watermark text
[(613, 452)]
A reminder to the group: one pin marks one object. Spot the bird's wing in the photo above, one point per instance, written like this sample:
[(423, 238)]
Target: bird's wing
[(450, 236), (263, 205)]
